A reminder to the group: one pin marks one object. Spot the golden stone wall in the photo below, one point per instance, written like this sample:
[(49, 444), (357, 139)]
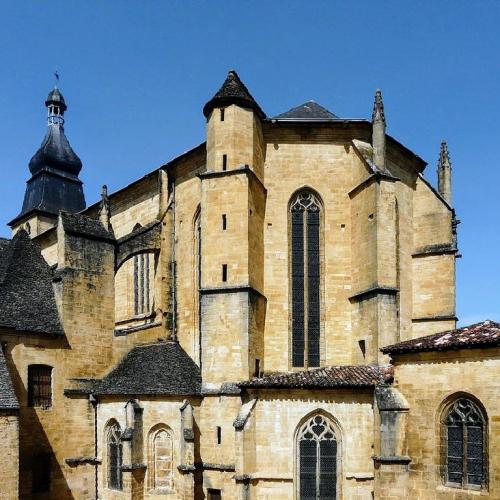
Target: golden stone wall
[(9, 459)]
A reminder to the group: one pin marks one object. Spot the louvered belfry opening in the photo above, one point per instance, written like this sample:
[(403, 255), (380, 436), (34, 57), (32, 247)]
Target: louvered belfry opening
[(305, 211), (465, 445), (40, 386), (317, 460), (115, 454)]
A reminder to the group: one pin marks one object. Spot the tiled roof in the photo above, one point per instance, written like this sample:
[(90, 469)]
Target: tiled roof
[(27, 299), (485, 334), (233, 91), (329, 377), (310, 110), (163, 368), (8, 399)]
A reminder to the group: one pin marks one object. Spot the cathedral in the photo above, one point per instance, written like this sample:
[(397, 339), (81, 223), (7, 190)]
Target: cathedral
[(269, 315)]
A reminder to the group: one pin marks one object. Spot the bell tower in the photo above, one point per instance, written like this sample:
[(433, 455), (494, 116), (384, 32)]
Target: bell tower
[(54, 184), (232, 225)]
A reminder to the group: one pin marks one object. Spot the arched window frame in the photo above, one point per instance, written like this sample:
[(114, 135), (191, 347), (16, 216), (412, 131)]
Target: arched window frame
[(197, 285), (335, 429), (312, 199), (114, 456), (448, 408), (152, 459)]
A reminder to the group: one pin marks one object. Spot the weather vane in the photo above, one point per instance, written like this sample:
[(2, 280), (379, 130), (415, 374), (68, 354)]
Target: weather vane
[(56, 75)]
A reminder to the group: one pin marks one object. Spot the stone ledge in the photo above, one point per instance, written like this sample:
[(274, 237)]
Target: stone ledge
[(231, 289), (360, 476), (131, 467), (391, 459), (126, 331), (242, 169), (75, 461), (429, 250), (186, 469), (434, 318), (220, 467), (372, 291)]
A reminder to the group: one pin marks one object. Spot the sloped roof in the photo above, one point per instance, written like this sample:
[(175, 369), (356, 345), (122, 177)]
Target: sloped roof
[(163, 368), (329, 377), (310, 110), (233, 91), (85, 226), (8, 399), (484, 334), (27, 299)]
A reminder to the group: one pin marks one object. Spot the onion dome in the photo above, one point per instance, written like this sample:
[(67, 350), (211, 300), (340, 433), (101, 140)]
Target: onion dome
[(54, 184), (56, 152), (233, 91)]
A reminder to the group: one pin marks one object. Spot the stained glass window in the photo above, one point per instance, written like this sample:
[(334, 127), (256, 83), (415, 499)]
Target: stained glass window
[(317, 460), (465, 450), (115, 456), (305, 211), (142, 285)]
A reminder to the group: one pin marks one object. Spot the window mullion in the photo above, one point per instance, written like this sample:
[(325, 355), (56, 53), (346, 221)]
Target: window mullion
[(318, 469), (306, 292)]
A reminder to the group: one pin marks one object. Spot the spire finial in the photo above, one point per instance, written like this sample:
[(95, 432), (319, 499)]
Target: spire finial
[(378, 108), (56, 78), (105, 208), (444, 156), (444, 172)]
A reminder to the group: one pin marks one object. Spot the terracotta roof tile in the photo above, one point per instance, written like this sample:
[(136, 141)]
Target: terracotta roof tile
[(484, 334), (328, 377)]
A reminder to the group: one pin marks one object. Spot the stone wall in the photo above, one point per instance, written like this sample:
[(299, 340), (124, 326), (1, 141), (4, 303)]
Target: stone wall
[(9, 459)]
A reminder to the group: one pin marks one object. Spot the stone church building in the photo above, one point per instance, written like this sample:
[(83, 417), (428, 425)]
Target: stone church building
[(270, 315)]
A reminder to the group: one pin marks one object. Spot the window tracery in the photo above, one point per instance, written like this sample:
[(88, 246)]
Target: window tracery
[(115, 457)]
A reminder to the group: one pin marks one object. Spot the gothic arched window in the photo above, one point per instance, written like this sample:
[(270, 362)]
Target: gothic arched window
[(465, 433), (305, 214), (114, 457), (161, 461), (317, 460)]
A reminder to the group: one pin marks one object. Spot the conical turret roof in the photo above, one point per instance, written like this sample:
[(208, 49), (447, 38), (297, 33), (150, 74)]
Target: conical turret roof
[(233, 91)]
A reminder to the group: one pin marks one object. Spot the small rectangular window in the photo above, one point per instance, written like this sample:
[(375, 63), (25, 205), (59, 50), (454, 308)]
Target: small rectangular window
[(224, 162), (40, 473), (219, 435), (257, 368), (40, 386), (222, 115), (224, 222), (224, 272), (362, 347), (214, 494)]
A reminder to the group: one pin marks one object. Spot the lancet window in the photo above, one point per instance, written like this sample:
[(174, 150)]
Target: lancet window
[(142, 285), (115, 457)]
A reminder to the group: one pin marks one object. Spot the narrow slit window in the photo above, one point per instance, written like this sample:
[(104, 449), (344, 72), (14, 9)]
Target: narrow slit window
[(115, 457), (219, 435), (224, 162), (257, 368), (224, 272), (224, 222), (222, 114)]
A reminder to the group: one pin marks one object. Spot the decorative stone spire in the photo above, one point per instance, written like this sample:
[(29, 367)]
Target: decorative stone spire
[(105, 208), (378, 131), (444, 173), (233, 91)]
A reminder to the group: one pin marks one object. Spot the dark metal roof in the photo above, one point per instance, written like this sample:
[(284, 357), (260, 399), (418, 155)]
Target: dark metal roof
[(308, 110), (56, 152), (8, 399), (329, 377), (233, 91), (27, 299), (484, 334), (55, 97), (163, 368)]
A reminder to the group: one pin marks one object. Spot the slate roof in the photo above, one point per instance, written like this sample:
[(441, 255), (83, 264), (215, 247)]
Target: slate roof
[(27, 299), (310, 110), (55, 96), (329, 377), (163, 368), (56, 152), (484, 334), (86, 226), (233, 91), (8, 399)]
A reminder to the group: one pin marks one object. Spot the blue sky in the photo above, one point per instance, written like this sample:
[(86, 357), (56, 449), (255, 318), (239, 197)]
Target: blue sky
[(136, 75)]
